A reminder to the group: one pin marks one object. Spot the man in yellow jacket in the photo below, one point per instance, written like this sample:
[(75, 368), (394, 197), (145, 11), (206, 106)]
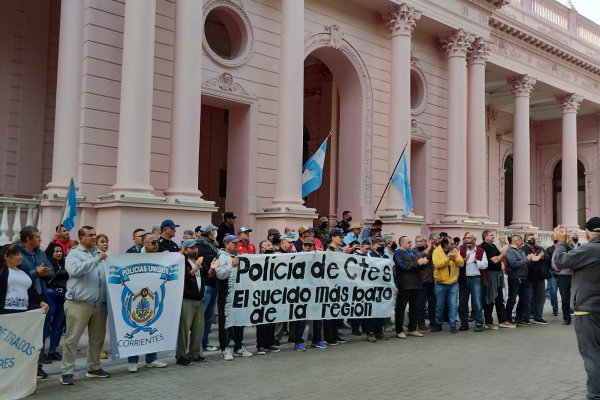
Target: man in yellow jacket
[(446, 263)]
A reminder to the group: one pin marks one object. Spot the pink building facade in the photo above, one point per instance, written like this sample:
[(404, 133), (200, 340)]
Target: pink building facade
[(184, 109)]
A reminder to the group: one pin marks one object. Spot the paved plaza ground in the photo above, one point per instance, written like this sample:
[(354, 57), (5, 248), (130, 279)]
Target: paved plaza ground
[(535, 362)]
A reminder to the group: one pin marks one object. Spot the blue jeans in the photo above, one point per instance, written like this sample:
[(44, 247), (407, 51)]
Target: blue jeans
[(521, 288), (55, 318), (210, 302), (150, 357), (446, 294), (476, 300), (551, 289)]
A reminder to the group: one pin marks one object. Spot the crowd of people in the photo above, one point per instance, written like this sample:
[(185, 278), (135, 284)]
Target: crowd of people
[(440, 279)]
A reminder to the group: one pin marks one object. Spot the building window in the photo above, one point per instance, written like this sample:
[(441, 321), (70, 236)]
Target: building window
[(418, 91), (228, 36)]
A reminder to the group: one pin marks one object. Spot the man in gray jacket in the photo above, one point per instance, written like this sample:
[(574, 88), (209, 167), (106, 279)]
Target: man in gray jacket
[(85, 305), (584, 261), (518, 285)]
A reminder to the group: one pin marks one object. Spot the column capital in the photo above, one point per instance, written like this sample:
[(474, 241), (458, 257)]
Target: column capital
[(522, 85), (479, 51), (401, 20), (456, 43), (569, 103)]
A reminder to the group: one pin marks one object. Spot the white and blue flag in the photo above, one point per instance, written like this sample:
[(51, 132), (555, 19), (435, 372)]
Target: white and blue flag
[(400, 179), (312, 171), (70, 209)]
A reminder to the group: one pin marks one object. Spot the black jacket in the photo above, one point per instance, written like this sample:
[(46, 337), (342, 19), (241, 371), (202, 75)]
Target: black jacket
[(209, 250), (190, 284), (408, 270), (538, 270)]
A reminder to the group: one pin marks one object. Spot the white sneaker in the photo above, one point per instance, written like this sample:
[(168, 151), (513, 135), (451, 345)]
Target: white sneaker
[(227, 354), (132, 367), (156, 364), (242, 352), (210, 348)]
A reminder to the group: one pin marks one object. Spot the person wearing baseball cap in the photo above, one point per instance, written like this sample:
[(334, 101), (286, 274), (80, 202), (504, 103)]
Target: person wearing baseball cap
[(226, 227), (167, 233), (272, 232), (330, 326), (191, 322), (322, 231), (208, 251), (244, 245), (286, 244), (228, 262), (584, 262)]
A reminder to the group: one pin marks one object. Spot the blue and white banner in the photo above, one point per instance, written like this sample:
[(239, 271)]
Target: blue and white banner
[(269, 288), (20, 344), (145, 292)]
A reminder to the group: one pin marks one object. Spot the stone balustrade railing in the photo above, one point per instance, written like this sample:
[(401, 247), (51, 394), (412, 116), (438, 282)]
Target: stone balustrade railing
[(564, 17), (546, 237), (16, 213)]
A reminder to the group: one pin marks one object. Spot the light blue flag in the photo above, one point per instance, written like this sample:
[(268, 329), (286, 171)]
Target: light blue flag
[(400, 179), (70, 210), (312, 171)]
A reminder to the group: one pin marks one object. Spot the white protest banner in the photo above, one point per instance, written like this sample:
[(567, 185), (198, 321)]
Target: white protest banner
[(20, 344), (313, 286), (145, 292)]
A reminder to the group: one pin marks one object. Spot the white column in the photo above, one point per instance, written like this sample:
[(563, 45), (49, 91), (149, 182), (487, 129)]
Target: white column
[(288, 187), (68, 97), (185, 122), (135, 120), (570, 105), (521, 89), (476, 151), (456, 45), (402, 21)]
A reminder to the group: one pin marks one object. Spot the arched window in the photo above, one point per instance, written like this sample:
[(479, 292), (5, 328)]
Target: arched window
[(557, 194), (508, 190)]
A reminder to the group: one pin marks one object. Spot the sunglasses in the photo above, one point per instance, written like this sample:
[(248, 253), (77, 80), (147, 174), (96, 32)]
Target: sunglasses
[(154, 242)]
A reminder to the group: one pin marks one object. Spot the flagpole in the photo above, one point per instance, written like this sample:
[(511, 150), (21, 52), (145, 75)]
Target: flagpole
[(389, 180), (62, 213)]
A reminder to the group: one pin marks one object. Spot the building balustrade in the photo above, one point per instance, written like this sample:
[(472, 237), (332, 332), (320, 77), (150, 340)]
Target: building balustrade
[(15, 214), (562, 16)]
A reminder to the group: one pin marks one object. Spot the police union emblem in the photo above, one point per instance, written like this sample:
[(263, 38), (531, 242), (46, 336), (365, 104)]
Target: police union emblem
[(143, 294)]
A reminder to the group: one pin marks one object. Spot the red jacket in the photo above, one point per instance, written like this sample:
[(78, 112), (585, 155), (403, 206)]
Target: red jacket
[(243, 249)]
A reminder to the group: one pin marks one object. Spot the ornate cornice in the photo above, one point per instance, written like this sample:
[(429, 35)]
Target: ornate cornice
[(490, 5), (543, 45), (479, 51), (569, 103), (522, 85), (401, 20), (456, 43)]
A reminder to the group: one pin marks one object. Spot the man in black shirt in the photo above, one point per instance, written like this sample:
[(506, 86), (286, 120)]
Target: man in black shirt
[(226, 228), (494, 281), (167, 232)]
